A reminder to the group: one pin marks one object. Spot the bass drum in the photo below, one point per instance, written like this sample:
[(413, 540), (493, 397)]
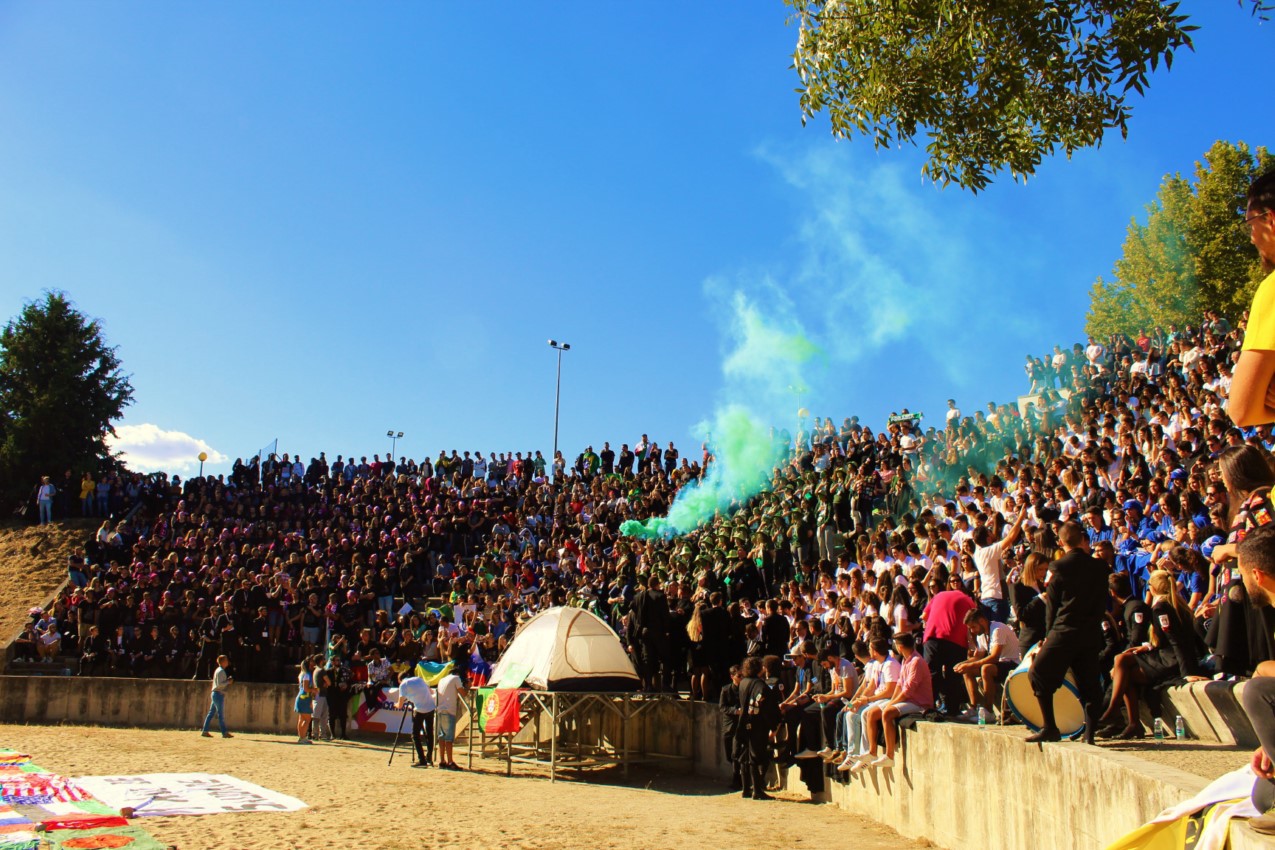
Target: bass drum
[(1069, 711)]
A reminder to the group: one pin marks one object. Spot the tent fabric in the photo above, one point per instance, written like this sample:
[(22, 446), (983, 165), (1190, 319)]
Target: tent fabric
[(568, 649)]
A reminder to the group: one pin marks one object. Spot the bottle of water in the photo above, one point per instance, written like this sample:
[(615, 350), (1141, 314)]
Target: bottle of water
[(982, 718), (1179, 728), (1157, 726)]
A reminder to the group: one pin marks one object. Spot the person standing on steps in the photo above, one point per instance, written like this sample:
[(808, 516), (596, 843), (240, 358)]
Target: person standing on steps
[(650, 619), (1077, 595), (44, 499), (217, 705), (758, 717)]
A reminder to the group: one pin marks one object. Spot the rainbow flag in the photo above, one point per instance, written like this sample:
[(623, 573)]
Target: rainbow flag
[(432, 671)]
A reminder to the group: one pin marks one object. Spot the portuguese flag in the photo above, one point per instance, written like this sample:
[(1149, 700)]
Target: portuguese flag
[(499, 714)]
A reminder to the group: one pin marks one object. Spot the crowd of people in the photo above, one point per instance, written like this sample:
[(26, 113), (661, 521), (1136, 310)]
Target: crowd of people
[(858, 536), (868, 551), (1098, 527)]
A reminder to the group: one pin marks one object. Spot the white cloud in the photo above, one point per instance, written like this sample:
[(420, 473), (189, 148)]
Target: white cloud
[(149, 448)]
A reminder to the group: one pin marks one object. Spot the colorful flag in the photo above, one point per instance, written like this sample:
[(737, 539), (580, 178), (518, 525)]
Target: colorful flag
[(432, 671), (1200, 823), (500, 711), (479, 670)]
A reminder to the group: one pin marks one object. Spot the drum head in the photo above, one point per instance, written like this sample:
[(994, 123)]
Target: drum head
[(1068, 709)]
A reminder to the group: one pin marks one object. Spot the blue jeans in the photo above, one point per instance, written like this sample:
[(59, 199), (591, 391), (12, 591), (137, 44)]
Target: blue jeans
[(999, 609), (217, 707), (852, 729), (46, 511)]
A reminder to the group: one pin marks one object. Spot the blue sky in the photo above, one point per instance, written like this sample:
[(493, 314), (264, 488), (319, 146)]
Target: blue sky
[(317, 222)]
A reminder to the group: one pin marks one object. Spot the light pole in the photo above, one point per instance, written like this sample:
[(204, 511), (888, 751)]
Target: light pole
[(557, 394), (394, 438), (203, 456)]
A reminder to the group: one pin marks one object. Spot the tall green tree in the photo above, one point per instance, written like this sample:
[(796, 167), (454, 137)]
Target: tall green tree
[(1191, 255), (61, 388), (994, 84), (1226, 263)]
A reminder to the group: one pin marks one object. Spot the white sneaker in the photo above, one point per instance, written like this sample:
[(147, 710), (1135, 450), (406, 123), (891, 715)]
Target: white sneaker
[(858, 767), (825, 752), (846, 766), (883, 761), (807, 754)]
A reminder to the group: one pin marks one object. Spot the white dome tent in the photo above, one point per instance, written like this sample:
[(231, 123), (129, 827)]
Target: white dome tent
[(567, 649)]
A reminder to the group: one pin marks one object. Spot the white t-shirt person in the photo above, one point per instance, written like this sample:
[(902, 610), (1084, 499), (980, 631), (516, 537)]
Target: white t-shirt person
[(415, 690), (988, 560), (999, 634), (448, 694)]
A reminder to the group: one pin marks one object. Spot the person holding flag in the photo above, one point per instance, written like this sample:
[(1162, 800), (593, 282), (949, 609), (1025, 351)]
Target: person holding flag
[(415, 691)]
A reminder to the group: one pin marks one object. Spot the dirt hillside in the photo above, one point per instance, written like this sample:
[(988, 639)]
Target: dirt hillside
[(32, 565)]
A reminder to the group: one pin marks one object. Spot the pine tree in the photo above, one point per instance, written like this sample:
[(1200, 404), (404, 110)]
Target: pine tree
[(61, 388)]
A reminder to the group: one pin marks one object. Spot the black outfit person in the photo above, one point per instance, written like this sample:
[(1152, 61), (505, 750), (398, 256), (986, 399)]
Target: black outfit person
[(651, 625), (758, 716), (1077, 596)]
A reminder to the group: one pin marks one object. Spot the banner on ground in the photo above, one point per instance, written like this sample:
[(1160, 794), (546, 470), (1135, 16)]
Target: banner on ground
[(165, 794), (127, 837)]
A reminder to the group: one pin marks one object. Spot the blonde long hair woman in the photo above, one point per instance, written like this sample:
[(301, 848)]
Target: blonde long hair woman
[(701, 664), (1172, 653)]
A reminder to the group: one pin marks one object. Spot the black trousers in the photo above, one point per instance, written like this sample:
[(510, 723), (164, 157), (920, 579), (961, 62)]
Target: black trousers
[(753, 755), (941, 656), (653, 658), (206, 661), (1063, 652), (829, 712), (339, 709), (423, 722)]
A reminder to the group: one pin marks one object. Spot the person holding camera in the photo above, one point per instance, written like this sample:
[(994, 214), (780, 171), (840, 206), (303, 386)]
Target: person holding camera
[(415, 691)]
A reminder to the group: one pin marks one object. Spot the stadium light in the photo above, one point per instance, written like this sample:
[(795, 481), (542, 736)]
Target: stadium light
[(394, 438), (557, 393)]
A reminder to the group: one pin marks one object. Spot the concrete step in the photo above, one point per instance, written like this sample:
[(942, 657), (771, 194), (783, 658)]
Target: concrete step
[(59, 667), (1211, 711)]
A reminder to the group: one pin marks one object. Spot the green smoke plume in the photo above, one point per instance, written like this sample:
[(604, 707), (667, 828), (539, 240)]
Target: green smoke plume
[(763, 372)]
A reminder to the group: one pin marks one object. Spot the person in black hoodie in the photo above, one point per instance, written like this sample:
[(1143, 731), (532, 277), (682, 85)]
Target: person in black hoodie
[(1172, 652)]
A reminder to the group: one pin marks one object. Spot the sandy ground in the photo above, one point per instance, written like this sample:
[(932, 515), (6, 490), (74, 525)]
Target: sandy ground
[(32, 566), (357, 801)]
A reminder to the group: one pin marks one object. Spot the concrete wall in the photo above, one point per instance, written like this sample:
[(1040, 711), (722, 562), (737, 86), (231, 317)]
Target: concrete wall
[(964, 788), (958, 786), (156, 703)]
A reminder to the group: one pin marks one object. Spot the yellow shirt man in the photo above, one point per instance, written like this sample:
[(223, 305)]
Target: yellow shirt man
[(1252, 400)]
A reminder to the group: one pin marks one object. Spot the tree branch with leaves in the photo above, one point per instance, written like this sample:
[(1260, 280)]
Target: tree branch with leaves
[(993, 84)]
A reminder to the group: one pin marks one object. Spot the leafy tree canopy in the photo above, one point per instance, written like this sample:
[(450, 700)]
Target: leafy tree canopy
[(1193, 253), (994, 84), (61, 387)]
